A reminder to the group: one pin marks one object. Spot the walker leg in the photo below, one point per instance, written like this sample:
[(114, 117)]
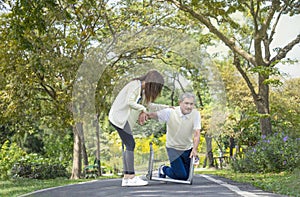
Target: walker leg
[(150, 165), (191, 173), (123, 156)]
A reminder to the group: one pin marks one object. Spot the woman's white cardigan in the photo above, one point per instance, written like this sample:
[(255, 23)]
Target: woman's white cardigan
[(125, 107)]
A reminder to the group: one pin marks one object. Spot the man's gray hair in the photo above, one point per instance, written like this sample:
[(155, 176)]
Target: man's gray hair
[(187, 95)]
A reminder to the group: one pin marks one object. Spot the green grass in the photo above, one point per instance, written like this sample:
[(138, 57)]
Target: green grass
[(286, 183), (280, 183), (17, 187)]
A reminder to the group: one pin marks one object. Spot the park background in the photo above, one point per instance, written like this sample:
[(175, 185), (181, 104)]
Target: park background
[(240, 45)]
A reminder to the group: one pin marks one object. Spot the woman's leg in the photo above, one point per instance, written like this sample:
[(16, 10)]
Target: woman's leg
[(128, 158), (128, 140)]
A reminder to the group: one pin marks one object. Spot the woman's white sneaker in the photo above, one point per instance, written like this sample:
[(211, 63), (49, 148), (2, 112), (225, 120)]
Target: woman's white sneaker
[(135, 181), (124, 182)]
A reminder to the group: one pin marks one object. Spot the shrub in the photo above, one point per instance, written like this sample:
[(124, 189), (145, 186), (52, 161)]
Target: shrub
[(274, 153), (34, 166), (10, 153)]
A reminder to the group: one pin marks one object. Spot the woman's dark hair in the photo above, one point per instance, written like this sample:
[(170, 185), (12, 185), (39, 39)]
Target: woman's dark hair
[(154, 83)]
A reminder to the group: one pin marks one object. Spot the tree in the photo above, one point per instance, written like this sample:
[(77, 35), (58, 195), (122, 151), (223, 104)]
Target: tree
[(262, 18), (42, 45), (241, 122)]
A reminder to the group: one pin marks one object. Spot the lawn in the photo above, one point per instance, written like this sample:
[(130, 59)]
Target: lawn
[(17, 187), (286, 183)]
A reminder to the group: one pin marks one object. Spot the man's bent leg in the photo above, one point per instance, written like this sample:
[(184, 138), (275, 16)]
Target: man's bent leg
[(187, 161), (177, 169)]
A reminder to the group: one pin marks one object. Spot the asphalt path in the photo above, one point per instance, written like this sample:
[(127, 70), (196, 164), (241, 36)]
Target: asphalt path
[(203, 185)]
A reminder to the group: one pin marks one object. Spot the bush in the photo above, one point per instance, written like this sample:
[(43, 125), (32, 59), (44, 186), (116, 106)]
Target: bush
[(10, 153), (274, 153), (34, 166)]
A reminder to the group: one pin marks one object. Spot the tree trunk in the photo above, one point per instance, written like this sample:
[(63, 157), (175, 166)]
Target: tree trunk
[(76, 169), (231, 146), (261, 99), (263, 108), (173, 92), (98, 146), (209, 152), (200, 99), (84, 153)]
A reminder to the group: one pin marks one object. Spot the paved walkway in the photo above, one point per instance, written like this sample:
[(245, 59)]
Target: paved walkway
[(203, 186)]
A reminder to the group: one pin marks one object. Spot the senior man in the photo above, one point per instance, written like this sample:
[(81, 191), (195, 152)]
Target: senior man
[(183, 136)]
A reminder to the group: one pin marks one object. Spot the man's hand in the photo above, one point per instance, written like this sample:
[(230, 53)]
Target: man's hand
[(143, 117), (193, 153)]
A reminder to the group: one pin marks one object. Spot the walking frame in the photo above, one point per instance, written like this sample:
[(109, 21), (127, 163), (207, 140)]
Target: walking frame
[(150, 169)]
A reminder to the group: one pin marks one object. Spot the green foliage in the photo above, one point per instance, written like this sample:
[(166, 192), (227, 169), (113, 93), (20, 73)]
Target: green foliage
[(285, 107), (14, 162), (58, 148), (246, 130), (274, 153), (37, 167), (266, 71), (33, 143), (10, 153), (5, 134)]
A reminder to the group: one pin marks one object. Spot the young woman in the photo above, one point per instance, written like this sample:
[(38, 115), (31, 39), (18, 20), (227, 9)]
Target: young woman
[(125, 112)]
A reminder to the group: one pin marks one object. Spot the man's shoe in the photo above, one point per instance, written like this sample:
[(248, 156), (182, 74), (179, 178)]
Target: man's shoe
[(161, 173), (135, 181)]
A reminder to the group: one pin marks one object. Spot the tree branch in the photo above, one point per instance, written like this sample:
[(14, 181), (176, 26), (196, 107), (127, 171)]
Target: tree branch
[(276, 23), (108, 22), (282, 53), (265, 25), (237, 64), (47, 88), (229, 42), (178, 80), (254, 14)]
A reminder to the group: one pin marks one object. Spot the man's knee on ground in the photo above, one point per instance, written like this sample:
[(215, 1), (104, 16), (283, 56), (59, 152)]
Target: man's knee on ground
[(181, 175)]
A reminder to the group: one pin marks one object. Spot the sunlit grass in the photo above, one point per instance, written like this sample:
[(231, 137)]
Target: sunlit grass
[(287, 183), (17, 187), (22, 186)]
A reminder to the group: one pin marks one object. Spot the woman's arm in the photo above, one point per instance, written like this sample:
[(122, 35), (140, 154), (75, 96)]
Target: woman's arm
[(153, 107), (134, 94)]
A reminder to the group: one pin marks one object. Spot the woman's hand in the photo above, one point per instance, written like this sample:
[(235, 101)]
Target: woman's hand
[(143, 117)]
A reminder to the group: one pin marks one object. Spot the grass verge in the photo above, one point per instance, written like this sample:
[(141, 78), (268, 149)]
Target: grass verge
[(17, 187), (286, 183)]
